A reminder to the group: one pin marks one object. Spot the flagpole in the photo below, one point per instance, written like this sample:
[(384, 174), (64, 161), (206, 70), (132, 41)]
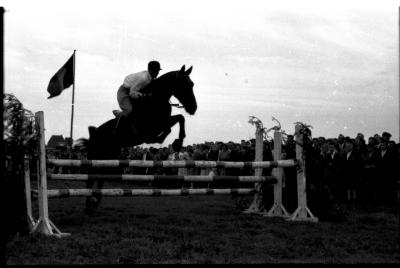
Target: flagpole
[(73, 99)]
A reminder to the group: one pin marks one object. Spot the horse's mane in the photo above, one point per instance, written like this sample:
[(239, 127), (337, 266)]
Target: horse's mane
[(165, 77), (162, 84)]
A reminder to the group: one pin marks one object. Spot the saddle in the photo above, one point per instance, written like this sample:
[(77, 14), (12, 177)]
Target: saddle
[(133, 132), (122, 120)]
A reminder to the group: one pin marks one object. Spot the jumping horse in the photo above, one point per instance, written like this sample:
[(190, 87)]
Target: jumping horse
[(153, 120)]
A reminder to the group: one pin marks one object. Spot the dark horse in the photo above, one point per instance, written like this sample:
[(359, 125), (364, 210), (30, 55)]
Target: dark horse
[(153, 120)]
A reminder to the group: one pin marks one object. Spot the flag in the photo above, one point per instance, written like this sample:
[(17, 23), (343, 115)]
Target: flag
[(63, 79)]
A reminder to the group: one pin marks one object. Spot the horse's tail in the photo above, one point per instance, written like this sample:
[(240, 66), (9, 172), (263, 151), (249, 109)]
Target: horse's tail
[(81, 143), (92, 129), (89, 142)]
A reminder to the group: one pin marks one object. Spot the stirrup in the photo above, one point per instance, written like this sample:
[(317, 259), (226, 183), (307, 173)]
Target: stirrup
[(116, 112), (117, 124)]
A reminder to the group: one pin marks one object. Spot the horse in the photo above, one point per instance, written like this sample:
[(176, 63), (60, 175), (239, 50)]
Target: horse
[(153, 122)]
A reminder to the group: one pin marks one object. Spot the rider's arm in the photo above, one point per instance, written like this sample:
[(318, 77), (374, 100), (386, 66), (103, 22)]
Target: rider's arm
[(134, 90), (135, 94)]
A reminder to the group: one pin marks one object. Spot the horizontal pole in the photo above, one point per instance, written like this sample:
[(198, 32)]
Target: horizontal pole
[(147, 192), (131, 177), (178, 164)]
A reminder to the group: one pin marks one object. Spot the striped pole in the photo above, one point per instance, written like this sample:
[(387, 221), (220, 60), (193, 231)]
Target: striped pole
[(147, 192), (174, 163), (188, 178)]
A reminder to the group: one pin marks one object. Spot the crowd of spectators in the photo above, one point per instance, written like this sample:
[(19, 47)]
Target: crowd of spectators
[(340, 170), (353, 170)]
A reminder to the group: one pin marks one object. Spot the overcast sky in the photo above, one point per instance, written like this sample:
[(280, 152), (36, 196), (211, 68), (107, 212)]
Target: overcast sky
[(333, 65)]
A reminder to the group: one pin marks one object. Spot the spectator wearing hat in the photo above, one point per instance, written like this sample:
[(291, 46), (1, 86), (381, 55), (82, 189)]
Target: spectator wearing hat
[(340, 144), (392, 146), (351, 168), (213, 155), (189, 151), (331, 167), (316, 192), (323, 196), (200, 153), (130, 89), (247, 155), (370, 174), (386, 135), (372, 142), (360, 145), (223, 155), (173, 156), (386, 173), (377, 138), (235, 155)]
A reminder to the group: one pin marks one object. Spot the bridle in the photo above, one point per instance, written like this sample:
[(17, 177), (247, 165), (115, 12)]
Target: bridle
[(177, 105)]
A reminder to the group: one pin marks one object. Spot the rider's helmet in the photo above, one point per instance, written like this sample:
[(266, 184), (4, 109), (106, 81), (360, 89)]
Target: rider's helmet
[(154, 65)]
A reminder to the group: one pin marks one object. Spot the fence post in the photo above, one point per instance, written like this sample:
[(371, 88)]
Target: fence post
[(277, 208), (44, 224), (257, 205), (302, 213), (31, 221)]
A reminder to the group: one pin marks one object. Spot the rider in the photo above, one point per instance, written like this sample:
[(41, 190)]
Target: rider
[(130, 88)]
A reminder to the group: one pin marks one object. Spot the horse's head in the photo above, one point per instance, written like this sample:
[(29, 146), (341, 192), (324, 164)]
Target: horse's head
[(184, 90)]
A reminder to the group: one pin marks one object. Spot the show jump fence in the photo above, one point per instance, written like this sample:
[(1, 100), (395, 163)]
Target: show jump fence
[(45, 226)]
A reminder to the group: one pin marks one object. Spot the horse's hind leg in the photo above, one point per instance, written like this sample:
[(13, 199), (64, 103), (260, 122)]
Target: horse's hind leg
[(89, 204), (98, 196)]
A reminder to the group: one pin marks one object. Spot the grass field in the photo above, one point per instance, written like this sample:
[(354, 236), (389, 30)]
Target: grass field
[(203, 229)]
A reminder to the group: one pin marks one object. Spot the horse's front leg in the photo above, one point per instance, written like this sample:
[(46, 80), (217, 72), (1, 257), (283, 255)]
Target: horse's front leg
[(181, 120), (171, 122)]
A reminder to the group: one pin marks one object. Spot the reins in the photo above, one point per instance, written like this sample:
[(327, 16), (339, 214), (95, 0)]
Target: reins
[(177, 105)]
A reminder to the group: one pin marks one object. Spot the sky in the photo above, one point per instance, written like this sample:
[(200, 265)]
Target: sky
[(333, 65)]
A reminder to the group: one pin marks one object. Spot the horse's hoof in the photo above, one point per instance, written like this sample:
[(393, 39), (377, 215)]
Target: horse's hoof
[(177, 145)]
